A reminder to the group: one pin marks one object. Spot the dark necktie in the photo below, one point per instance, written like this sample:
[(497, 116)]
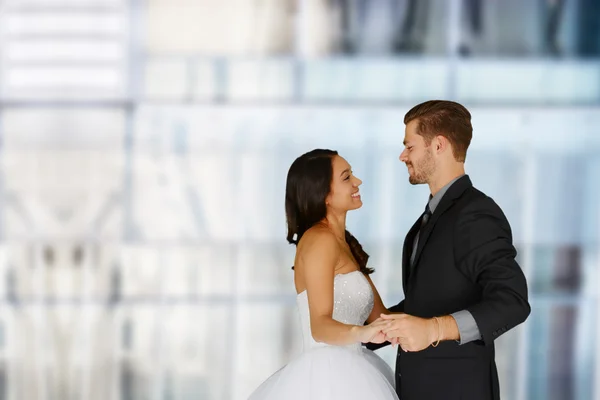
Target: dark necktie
[(424, 220)]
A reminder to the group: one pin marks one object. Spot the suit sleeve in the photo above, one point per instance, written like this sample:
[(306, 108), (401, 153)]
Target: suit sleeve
[(485, 254), (398, 308)]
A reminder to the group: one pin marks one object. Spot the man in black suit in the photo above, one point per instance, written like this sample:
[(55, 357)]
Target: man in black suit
[(463, 288)]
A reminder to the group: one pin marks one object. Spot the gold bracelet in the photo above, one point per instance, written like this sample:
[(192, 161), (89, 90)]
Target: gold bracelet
[(439, 332)]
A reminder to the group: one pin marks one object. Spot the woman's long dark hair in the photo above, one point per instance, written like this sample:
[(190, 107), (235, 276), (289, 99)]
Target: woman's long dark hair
[(307, 186)]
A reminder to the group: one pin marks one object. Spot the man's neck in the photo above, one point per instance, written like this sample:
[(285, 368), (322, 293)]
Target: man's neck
[(439, 182)]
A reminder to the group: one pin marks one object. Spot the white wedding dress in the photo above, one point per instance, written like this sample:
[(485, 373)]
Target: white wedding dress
[(327, 372)]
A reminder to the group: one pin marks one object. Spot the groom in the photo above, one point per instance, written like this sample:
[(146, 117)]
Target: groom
[(462, 286)]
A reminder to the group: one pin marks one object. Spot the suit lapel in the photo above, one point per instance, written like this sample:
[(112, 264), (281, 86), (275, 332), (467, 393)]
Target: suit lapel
[(454, 192)]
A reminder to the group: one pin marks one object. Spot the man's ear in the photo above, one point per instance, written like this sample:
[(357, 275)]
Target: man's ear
[(441, 144)]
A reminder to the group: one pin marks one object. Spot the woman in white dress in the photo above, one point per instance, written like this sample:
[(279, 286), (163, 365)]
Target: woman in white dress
[(338, 303)]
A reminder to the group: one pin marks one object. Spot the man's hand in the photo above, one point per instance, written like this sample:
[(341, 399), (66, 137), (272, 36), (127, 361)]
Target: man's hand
[(410, 332)]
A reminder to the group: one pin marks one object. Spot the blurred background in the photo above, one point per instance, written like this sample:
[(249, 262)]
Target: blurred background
[(144, 146)]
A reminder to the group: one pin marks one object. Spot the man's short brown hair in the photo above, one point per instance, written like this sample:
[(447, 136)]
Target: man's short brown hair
[(445, 118)]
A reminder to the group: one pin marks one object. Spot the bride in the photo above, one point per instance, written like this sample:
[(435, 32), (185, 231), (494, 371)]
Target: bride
[(338, 303)]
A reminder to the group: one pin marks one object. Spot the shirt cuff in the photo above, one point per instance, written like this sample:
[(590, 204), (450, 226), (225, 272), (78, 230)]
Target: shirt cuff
[(467, 327)]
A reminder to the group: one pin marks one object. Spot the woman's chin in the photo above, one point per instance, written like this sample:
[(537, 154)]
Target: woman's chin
[(357, 204)]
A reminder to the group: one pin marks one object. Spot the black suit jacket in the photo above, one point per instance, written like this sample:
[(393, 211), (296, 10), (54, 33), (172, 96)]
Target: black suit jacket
[(465, 261)]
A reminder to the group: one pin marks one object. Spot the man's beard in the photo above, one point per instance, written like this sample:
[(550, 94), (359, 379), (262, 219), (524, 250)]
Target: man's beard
[(422, 170)]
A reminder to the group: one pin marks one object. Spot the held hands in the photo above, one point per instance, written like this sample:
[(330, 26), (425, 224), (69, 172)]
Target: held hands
[(372, 333), (410, 332)]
